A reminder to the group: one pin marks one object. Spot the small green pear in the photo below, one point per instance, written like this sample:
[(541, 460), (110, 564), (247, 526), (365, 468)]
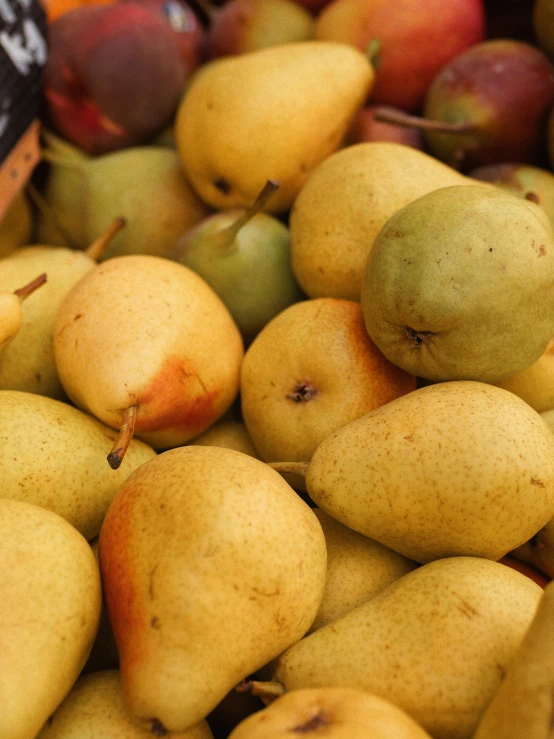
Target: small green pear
[(49, 614), (11, 316), (245, 256)]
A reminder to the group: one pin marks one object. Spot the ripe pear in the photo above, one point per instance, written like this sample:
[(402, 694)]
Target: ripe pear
[(11, 314), (344, 204), (451, 293), (311, 370), (229, 435), (158, 350), (15, 226), (535, 385), (337, 713), (54, 457), (211, 567), (245, 256), (27, 364), (268, 114), (436, 643), (457, 468), (357, 569), (94, 708), (48, 614)]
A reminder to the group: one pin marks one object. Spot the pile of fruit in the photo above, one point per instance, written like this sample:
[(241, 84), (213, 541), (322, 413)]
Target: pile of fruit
[(277, 375)]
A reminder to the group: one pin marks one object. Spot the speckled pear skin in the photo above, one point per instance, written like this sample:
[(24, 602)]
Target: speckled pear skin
[(147, 331), (456, 468), (10, 318), (436, 643), (54, 456), (49, 614), (94, 709), (211, 567)]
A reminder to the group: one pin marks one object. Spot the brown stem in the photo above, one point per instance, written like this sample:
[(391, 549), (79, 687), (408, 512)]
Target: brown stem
[(259, 203), (115, 457), (269, 690), (97, 247), (290, 468), (48, 214), (399, 118), (22, 292)]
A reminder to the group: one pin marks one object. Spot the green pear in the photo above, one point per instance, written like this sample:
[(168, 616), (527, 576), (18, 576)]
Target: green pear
[(15, 226), (459, 285), (274, 113), (345, 202), (436, 643), (49, 614), (357, 569), (28, 364), (245, 256), (54, 456), (211, 567), (94, 709), (456, 468), (159, 352), (11, 314)]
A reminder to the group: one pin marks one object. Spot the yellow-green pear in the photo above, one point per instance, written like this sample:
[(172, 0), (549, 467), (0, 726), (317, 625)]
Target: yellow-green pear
[(54, 456), (211, 567), (15, 226), (436, 643), (11, 314), (456, 468), (535, 385), (336, 713), (228, 434), (357, 569), (345, 202), (28, 364), (459, 285), (94, 709), (522, 705), (271, 114), (49, 613)]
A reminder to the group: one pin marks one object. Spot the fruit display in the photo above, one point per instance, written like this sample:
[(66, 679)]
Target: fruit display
[(277, 374)]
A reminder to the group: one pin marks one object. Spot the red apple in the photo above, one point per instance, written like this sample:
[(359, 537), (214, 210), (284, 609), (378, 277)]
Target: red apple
[(364, 127)]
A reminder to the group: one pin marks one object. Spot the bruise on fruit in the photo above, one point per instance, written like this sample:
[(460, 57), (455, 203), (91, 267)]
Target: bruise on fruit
[(317, 721), (303, 392), (417, 337), (157, 728)]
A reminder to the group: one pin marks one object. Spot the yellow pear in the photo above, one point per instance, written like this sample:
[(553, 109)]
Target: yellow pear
[(11, 314), (535, 385), (272, 114), (15, 226), (229, 435), (436, 643), (345, 202), (357, 569), (336, 713), (456, 468), (211, 567), (49, 614), (54, 457), (94, 709), (310, 371)]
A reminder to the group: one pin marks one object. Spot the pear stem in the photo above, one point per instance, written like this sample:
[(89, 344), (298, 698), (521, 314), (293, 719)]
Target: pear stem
[(399, 118), (288, 468), (26, 290), (259, 203), (115, 457), (269, 690), (48, 214), (96, 249)]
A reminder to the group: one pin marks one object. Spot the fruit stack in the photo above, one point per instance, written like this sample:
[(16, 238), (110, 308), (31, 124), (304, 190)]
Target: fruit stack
[(277, 375)]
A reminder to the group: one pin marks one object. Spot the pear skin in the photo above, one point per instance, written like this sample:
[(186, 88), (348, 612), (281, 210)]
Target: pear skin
[(301, 99), (11, 318), (456, 468), (15, 226), (436, 643), (337, 713), (229, 435), (535, 385), (94, 708), (48, 614), (211, 567), (153, 335)]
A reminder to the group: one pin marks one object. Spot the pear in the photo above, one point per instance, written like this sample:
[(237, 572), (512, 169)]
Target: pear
[(311, 370), (451, 293), (436, 643), (11, 316), (345, 202), (456, 468), (523, 701), (338, 713), (535, 385), (357, 569), (159, 352), (15, 226), (229, 435), (211, 567), (539, 550), (27, 364), (49, 614), (274, 113), (245, 256), (53, 456), (94, 708)]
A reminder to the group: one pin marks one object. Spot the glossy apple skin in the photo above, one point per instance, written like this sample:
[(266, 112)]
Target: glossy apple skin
[(417, 40), (113, 78)]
